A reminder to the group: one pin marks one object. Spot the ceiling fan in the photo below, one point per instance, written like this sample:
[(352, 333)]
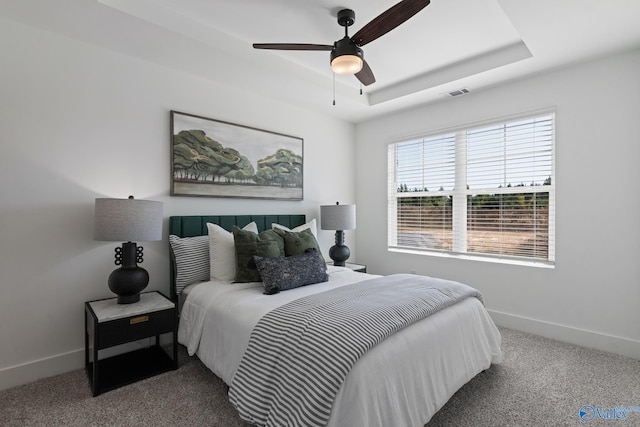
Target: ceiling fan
[(346, 55)]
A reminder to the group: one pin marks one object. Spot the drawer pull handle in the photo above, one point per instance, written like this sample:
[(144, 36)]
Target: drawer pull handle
[(138, 319)]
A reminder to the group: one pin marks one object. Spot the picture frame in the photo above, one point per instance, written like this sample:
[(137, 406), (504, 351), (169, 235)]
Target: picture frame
[(214, 158)]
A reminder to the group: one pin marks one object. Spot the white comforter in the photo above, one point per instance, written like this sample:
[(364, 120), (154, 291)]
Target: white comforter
[(401, 382)]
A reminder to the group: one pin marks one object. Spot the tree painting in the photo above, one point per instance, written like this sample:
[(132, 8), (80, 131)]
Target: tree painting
[(220, 159)]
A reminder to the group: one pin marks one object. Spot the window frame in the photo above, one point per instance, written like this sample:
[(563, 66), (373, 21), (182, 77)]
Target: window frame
[(460, 192)]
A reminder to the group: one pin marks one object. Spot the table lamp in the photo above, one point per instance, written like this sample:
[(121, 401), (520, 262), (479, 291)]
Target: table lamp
[(128, 220), (338, 217)]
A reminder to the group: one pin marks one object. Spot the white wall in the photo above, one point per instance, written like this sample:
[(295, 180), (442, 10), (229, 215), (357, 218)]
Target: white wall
[(79, 122), (592, 297)]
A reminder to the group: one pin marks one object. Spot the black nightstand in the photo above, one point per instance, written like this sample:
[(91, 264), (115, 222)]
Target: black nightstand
[(355, 267), (109, 324)]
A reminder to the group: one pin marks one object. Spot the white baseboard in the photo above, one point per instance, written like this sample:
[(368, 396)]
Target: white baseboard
[(42, 368), (610, 343), (61, 363)]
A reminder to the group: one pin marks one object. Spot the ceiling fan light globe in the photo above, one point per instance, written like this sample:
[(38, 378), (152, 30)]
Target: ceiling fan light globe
[(346, 64)]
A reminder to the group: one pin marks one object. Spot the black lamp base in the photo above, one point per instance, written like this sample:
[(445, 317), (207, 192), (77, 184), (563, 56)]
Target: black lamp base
[(339, 253), (128, 299), (129, 280)]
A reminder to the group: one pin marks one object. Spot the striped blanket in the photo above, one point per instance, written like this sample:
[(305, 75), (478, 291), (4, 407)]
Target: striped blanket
[(300, 353)]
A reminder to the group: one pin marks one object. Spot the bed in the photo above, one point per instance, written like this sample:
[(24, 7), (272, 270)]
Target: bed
[(402, 381)]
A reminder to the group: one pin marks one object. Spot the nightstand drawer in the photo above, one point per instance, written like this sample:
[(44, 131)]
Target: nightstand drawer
[(129, 329)]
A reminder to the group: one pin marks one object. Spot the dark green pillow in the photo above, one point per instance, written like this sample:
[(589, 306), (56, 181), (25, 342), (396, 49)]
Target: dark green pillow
[(296, 243), (247, 244)]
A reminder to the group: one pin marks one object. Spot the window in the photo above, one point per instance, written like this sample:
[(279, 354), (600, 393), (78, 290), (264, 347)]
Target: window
[(485, 191)]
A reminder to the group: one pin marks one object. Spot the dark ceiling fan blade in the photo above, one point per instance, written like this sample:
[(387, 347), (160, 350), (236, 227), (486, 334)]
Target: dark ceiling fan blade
[(365, 75), (388, 20), (292, 46)]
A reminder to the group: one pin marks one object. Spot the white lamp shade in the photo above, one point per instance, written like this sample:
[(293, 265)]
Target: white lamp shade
[(127, 220), (338, 217)]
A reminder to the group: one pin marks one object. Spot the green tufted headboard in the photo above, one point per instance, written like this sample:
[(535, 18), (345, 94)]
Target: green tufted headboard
[(196, 225)]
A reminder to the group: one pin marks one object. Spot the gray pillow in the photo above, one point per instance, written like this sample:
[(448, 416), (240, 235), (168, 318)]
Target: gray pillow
[(191, 255), (284, 273), (247, 244)]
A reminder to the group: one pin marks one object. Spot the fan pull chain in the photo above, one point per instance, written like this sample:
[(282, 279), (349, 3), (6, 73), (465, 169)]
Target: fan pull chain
[(360, 88), (334, 88)]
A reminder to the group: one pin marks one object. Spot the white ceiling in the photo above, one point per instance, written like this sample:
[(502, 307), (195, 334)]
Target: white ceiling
[(451, 44)]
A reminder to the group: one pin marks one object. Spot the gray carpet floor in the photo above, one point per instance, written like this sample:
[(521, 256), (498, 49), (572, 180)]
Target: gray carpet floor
[(540, 383)]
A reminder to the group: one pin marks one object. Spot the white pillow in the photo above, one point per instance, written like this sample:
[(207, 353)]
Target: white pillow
[(311, 225), (222, 251)]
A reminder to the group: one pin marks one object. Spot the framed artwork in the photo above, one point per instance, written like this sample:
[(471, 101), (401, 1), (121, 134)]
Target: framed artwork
[(212, 158)]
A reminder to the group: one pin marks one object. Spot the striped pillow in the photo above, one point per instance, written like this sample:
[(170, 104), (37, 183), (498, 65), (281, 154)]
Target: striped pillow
[(191, 256)]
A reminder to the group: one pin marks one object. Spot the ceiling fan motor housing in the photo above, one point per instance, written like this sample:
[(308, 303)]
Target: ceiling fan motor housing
[(346, 46)]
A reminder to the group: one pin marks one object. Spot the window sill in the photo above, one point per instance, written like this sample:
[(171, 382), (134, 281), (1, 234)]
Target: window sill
[(492, 259)]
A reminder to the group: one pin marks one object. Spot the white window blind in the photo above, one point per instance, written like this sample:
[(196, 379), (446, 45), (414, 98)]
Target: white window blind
[(486, 191)]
